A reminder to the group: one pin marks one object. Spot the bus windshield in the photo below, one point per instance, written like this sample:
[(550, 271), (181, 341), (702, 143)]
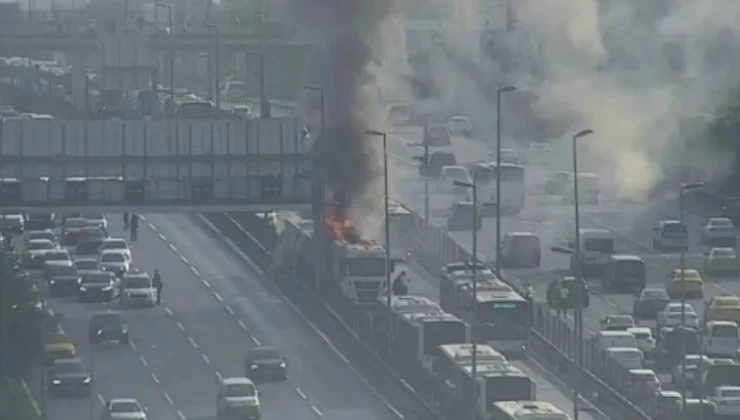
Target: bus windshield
[(482, 173), (510, 173), (503, 319), (503, 388), (237, 91), (366, 267), (195, 110), (720, 375)]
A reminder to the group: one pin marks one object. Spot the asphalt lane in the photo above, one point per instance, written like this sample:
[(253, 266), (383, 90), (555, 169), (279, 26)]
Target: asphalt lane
[(238, 310), (548, 388)]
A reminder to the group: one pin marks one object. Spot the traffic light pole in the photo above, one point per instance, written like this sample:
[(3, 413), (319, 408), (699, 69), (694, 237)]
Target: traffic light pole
[(5, 268)]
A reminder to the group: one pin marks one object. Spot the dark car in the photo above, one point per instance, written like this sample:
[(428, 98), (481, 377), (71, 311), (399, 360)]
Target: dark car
[(64, 280), (88, 247), (461, 217), (563, 293), (435, 162), (97, 286), (68, 377), (649, 303), (265, 363), (668, 351), (108, 326), (40, 221), (86, 264)]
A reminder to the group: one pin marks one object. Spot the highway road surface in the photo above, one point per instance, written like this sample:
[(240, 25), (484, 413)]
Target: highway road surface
[(549, 388), (214, 309)]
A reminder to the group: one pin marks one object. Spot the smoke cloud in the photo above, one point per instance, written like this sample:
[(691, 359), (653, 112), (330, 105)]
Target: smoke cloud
[(365, 57), (644, 75)]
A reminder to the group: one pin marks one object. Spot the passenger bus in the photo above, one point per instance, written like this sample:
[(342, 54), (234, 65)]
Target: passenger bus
[(499, 315), (527, 410), (496, 380), (401, 222), (513, 187), (195, 110), (418, 327)]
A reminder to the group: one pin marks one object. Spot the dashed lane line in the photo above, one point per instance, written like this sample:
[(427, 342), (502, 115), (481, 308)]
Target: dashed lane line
[(242, 325), (206, 359), (316, 411), (180, 326), (154, 228), (301, 393), (195, 271), (180, 415), (218, 376), (206, 284), (255, 340), (162, 237), (168, 398), (229, 310), (173, 247), (185, 260), (168, 311), (101, 399), (192, 342), (144, 361), (218, 297), (154, 378)]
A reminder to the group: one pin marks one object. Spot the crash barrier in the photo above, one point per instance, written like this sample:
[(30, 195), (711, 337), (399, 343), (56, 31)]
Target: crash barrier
[(552, 337), (348, 333), (553, 341)]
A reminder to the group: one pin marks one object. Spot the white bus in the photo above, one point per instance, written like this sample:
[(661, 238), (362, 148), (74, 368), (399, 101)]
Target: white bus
[(401, 223), (513, 187), (527, 410)]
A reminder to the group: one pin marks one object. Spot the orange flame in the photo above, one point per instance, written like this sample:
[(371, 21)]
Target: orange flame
[(339, 225)]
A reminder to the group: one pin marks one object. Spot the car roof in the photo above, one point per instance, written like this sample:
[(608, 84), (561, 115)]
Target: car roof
[(626, 257), (671, 222), (721, 324), (123, 400), (236, 380), (40, 240), (68, 360), (607, 333), (522, 233), (623, 350), (39, 231), (719, 219), (112, 251), (642, 372), (114, 239), (106, 313), (86, 260), (722, 248), (640, 329)]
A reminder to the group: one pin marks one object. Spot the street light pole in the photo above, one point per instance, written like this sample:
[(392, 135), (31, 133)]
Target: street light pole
[(578, 275), (171, 32), (217, 70), (681, 267), (387, 229), (500, 92), (265, 111), (474, 276), (320, 90)]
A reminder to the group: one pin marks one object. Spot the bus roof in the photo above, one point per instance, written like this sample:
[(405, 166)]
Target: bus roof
[(462, 354), (429, 316), (395, 207), (497, 295), (494, 369), (531, 409), (406, 304)]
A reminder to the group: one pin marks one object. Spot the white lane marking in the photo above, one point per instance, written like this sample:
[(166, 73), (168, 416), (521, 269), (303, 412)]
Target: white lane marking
[(173, 247), (218, 376), (132, 345), (194, 270), (185, 260), (206, 284), (394, 411), (182, 416), (218, 297), (152, 227), (192, 342), (229, 310), (142, 217), (242, 325), (408, 386), (101, 399), (31, 398), (255, 340), (154, 378), (168, 398), (143, 361), (162, 237), (206, 359), (300, 393), (297, 311), (168, 311), (316, 411), (180, 326)]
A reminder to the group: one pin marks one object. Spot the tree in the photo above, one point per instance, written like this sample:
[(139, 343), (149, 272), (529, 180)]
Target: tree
[(22, 318), (723, 133)]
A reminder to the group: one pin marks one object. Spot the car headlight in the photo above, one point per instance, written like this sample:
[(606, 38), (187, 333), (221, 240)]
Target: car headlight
[(56, 382), (107, 288), (79, 281), (253, 367), (52, 281), (83, 289), (124, 329), (100, 332), (87, 380), (282, 365)]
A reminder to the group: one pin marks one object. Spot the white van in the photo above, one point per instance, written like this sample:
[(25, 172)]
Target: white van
[(721, 339), (597, 247), (628, 357), (606, 339), (588, 189), (670, 234)]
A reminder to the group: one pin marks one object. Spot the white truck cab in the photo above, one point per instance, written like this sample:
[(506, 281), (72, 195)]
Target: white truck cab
[(597, 247), (721, 339)]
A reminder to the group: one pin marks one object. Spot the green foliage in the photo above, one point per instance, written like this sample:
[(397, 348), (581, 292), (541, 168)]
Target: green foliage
[(22, 319)]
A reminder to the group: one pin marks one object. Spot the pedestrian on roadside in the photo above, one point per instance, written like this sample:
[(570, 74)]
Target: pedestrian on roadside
[(134, 224)]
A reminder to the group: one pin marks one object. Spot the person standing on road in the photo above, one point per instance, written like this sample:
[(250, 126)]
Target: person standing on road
[(157, 283), (134, 227), (125, 221)]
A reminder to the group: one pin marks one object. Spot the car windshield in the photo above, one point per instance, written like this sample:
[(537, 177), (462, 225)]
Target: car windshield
[(96, 278), (641, 335), (603, 245), (64, 367), (687, 275), (676, 307), (40, 245), (438, 131), (86, 265), (728, 302), (125, 407), (139, 282), (93, 216), (56, 256), (460, 122), (116, 244), (655, 294), (240, 390), (112, 319), (265, 354), (75, 223), (620, 320), (675, 229), (41, 235), (723, 253), (64, 270), (731, 393), (456, 172), (720, 223), (113, 257)]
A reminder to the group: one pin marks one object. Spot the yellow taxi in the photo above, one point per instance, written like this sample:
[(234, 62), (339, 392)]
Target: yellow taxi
[(721, 261), (58, 346), (723, 308), (688, 282)]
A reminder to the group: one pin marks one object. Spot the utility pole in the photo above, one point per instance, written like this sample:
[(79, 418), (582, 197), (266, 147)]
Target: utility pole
[(4, 321)]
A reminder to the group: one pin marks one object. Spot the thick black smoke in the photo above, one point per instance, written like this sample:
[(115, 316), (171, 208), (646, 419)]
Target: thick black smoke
[(351, 31)]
